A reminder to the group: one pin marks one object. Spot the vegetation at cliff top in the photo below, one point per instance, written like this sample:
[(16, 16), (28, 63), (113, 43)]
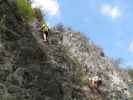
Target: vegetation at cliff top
[(25, 8)]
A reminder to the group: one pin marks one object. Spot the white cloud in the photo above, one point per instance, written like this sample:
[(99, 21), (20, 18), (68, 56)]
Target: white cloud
[(112, 11), (51, 7), (130, 48)]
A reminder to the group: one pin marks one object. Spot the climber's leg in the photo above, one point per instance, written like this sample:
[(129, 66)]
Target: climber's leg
[(44, 37), (46, 33)]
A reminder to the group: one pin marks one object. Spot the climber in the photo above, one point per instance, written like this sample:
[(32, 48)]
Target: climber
[(95, 82), (40, 25), (44, 30), (37, 25)]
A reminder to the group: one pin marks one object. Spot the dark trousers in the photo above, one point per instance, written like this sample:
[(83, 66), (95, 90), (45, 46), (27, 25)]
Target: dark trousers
[(46, 32)]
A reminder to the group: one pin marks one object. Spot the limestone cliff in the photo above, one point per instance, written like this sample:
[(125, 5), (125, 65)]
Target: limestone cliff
[(59, 70)]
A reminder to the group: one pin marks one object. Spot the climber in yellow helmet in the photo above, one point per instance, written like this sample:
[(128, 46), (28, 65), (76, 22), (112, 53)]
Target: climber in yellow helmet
[(44, 30)]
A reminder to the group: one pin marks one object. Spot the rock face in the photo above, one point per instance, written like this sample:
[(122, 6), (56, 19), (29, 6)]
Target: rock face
[(33, 70)]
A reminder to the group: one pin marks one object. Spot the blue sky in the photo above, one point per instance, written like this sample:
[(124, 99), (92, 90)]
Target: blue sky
[(106, 22)]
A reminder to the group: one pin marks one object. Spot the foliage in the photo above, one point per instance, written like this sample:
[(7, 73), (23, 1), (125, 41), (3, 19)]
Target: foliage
[(118, 63), (60, 27), (131, 98), (130, 71), (7, 97), (38, 13), (25, 8), (79, 77)]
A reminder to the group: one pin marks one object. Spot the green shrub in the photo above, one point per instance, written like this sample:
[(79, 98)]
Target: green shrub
[(80, 77), (131, 98), (25, 8), (7, 97), (130, 71)]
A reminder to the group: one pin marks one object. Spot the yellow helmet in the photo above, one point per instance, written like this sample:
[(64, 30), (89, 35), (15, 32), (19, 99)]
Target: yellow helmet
[(43, 25)]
